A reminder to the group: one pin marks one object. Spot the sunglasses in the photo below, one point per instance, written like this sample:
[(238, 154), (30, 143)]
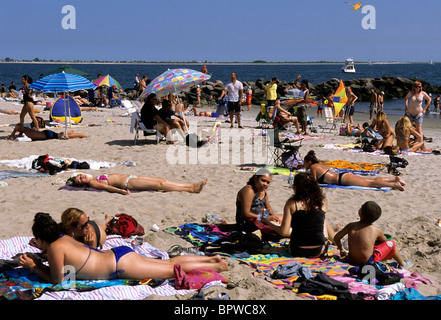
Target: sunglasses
[(417, 86), (82, 227)]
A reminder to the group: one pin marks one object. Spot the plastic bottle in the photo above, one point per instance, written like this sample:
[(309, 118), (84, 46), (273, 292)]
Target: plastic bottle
[(290, 178), (212, 218)]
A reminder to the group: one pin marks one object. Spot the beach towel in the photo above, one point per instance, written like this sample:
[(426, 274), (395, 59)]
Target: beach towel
[(356, 147), (199, 234), (336, 186), (22, 285)]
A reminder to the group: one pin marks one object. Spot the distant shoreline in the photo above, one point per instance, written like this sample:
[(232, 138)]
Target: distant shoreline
[(207, 63)]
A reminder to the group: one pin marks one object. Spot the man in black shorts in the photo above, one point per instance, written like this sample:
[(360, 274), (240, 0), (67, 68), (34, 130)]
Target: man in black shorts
[(234, 93), (35, 134)]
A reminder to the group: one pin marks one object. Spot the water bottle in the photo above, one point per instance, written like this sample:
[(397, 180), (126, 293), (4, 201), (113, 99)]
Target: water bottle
[(213, 219), (290, 178)]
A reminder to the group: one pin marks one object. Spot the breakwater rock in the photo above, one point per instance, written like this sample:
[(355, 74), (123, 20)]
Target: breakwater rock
[(393, 87)]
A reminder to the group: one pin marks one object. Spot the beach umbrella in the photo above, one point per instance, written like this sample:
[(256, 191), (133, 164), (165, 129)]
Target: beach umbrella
[(68, 69), (62, 82), (174, 80), (107, 80)]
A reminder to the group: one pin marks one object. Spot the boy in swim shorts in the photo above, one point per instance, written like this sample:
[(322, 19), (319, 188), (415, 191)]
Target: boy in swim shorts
[(366, 242)]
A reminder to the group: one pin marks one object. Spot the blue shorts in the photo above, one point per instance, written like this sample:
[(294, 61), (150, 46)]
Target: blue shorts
[(416, 119)]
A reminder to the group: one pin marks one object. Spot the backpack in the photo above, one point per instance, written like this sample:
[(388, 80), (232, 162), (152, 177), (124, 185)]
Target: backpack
[(125, 226), (292, 160), (40, 121)]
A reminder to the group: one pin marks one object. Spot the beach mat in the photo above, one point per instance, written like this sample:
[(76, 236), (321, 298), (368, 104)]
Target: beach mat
[(335, 186), (20, 284)]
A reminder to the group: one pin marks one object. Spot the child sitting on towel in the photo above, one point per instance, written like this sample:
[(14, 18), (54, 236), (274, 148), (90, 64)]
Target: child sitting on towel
[(366, 242)]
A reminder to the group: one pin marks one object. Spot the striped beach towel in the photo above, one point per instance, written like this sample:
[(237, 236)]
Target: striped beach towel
[(21, 284)]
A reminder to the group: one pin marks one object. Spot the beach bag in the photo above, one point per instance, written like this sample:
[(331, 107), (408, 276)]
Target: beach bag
[(40, 121), (195, 279), (192, 140), (292, 160), (125, 226), (46, 164)]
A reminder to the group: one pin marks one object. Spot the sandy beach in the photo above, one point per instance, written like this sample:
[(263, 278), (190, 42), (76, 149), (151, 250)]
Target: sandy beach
[(407, 216)]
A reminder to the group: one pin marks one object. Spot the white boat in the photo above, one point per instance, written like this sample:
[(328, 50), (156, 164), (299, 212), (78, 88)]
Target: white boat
[(349, 66)]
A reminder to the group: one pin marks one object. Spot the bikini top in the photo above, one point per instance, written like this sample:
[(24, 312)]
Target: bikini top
[(102, 177), (321, 180)]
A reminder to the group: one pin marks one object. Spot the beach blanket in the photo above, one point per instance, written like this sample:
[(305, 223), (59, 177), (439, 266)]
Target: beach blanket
[(26, 162), (17, 283), (8, 174), (356, 147), (385, 189), (268, 266)]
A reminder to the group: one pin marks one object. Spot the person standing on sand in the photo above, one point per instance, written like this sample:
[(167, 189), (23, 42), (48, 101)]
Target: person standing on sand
[(350, 106), (414, 109), (234, 93), (380, 102), (373, 105)]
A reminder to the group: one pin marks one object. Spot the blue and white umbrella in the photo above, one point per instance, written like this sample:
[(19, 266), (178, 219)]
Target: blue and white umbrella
[(62, 82)]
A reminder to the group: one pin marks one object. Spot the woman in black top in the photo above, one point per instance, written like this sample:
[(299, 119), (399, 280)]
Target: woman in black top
[(304, 220), (28, 101), (150, 117)]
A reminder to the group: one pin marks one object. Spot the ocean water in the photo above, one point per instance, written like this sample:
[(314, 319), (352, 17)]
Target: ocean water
[(314, 73)]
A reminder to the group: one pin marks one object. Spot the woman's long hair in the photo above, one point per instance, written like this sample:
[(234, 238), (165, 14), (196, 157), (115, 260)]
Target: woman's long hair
[(402, 125), (308, 191)]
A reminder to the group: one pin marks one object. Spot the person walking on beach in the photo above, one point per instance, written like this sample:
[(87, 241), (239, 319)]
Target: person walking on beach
[(373, 105), (350, 106), (234, 93), (414, 109), (28, 100), (249, 97), (271, 92)]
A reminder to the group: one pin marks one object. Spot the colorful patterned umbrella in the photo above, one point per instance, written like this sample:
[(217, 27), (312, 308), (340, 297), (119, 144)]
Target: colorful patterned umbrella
[(62, 82), (173, 81), (107, 81)]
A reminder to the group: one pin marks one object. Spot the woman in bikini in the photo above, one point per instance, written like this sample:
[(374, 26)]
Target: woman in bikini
[(28, 100), (88, 263), (403, 130), (123, 183), (325, 175), (382, 126), (414, 110)]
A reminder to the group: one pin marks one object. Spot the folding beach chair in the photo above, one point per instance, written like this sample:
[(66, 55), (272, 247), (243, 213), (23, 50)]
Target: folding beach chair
[(331, 121), (276, 148), (136, 124)]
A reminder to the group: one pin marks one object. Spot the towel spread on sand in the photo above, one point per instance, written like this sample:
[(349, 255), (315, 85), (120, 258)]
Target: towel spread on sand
[(26, 162), (353, 147), (335, 186), (23, 285), (265, 265)]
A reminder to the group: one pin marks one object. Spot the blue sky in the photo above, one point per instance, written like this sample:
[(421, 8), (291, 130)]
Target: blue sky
[(221, 31)]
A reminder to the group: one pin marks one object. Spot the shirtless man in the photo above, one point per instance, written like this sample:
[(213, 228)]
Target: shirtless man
[(35, 135)]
